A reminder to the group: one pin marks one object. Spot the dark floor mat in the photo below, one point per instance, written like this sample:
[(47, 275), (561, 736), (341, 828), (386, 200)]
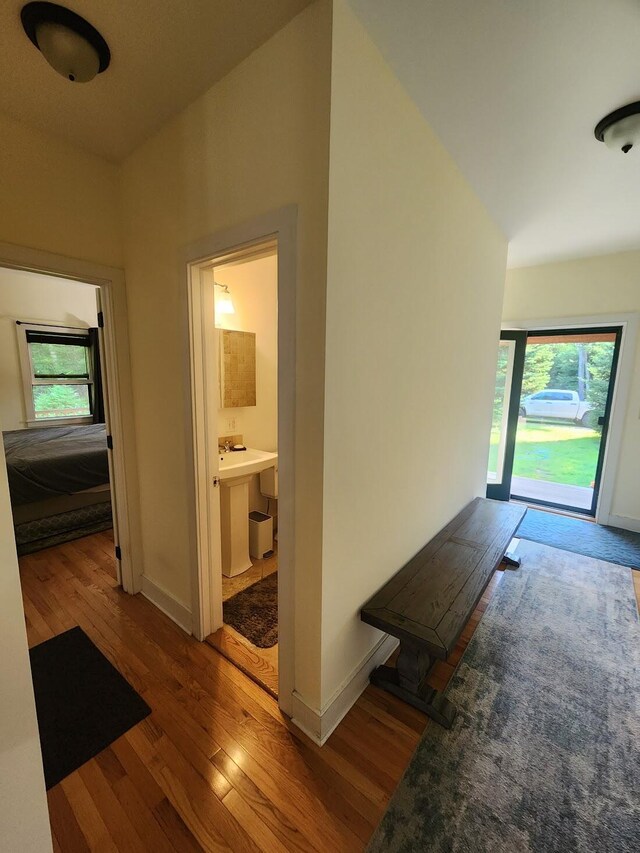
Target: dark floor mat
[(254, 612), (82, 701), (582, 537)]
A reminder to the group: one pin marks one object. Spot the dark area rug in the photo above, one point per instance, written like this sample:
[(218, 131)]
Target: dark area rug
[(254, 612), (582, 537), (82, 702), (545, 750)]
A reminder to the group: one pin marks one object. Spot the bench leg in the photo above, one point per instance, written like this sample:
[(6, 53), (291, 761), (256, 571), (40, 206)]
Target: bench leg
[(512, 561), (408, 681)]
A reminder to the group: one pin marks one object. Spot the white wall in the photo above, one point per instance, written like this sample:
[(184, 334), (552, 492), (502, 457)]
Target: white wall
[(24, 824), (254, 290), (38, 298), (415, 284), (605, 284), (255, 142)]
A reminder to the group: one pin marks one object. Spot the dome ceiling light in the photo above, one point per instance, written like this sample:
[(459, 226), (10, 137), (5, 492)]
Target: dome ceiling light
[(71, 46), (621, 128)]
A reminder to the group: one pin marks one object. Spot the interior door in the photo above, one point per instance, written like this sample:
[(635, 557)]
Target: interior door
[(506, 407), (107, 418)]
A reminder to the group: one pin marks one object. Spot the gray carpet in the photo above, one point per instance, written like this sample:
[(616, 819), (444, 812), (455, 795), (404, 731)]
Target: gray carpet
[(544, 755), (582, 537)]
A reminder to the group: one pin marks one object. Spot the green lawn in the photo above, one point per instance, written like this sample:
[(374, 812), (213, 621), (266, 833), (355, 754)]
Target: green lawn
[(556, 452)]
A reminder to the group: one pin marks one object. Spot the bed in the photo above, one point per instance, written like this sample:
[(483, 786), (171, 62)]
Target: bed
[(59, 484)]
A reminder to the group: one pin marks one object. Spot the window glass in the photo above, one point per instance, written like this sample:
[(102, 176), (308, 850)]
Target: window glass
[(64, 360), (61, 401)]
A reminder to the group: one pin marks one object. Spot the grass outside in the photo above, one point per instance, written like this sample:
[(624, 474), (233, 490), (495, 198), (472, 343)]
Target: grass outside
[(559, 453)]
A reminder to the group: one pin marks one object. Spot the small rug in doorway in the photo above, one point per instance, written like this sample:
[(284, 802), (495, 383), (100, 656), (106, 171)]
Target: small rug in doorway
[(544, 753), (82, 702), (582, 537), (254, 612)]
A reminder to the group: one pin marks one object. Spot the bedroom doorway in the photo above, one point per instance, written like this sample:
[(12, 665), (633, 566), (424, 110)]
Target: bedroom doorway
[(60, 405), (52, 409)]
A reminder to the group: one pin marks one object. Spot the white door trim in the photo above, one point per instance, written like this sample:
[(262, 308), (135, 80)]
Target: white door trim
[(111, 282), (202, 408), (629, 322)]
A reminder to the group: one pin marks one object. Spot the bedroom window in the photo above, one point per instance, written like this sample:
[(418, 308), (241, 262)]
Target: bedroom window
[(57, 373)]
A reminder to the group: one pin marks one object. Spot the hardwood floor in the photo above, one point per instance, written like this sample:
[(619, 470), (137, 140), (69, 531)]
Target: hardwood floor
[(216, 766), (259, 664)]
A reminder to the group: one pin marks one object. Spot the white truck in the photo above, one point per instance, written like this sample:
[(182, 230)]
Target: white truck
[(557, 404)]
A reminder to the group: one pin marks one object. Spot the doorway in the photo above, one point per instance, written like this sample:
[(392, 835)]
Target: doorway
[(99, 282), (222, 501), (246, 322), (553, 404)]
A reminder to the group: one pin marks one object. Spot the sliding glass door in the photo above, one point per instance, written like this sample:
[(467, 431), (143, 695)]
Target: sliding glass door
[(567, 389), (551, 450)]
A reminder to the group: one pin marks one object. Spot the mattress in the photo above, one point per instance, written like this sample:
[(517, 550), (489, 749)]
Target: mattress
[(53, 461), (65, 503)]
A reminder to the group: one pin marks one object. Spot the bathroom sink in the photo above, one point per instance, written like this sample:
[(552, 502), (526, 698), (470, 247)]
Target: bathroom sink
[(239, 463)]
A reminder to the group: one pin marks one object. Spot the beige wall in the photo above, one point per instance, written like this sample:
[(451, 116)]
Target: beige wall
[(606, 284), (256, 141), (415, 284), (254, 290), (57, 198), (24, 822), (40, 298)]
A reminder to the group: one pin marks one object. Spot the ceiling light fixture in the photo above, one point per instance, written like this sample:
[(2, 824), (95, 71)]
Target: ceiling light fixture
[(224, 304), (621, 128), (71, 46)]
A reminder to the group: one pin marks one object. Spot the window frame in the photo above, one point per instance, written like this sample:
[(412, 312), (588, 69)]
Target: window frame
[(29, 380)]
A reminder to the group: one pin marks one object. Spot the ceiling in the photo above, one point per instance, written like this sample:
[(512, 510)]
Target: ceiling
[(164, 54), (514, 88)]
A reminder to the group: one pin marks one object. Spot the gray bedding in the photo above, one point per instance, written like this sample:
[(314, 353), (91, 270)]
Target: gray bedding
[(43, 463)]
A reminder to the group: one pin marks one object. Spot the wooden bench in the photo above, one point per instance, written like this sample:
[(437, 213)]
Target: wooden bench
[(429, 601)]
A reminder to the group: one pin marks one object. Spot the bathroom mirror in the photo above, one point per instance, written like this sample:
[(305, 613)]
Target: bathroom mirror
[(237, 369)]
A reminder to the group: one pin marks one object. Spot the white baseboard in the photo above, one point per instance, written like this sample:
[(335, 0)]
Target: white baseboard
[(632, 524), (165, 601), (319, 725)]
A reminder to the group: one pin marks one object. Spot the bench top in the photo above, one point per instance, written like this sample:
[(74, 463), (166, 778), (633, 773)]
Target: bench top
[(430, 600)]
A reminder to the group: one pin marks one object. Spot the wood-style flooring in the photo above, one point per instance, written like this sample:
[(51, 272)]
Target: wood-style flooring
[(259, 664), (216, 766)]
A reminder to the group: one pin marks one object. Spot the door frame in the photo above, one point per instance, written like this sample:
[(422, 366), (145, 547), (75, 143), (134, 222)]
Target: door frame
[(202, 423), (629, 323), (111, 283)]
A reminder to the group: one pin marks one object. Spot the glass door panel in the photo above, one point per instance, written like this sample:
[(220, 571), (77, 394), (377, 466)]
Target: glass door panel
[(505, 413), (567, 388), (498, 445)]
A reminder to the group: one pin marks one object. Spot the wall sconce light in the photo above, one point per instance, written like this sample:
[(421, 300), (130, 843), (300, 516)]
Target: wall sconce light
[(224, 304), (621, 128), (71, 46)]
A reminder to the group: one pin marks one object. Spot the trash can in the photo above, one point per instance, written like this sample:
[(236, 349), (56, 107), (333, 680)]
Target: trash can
[(260, 535)]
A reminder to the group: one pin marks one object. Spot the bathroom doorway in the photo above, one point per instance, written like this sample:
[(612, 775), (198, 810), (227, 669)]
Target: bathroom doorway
[(242, 366), (246, 321)]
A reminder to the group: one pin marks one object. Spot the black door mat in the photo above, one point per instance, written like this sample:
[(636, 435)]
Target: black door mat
[(254, 612), (82, 702)]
